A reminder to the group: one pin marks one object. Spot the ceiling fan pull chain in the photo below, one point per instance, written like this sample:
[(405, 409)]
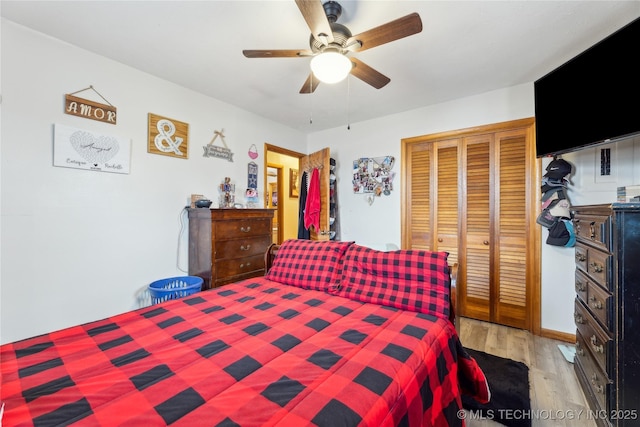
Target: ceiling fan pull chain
[(311, 98), (348, 105)]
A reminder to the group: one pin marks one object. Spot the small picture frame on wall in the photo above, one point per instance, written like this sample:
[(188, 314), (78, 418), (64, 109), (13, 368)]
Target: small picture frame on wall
[(606, 163), (294, 191)]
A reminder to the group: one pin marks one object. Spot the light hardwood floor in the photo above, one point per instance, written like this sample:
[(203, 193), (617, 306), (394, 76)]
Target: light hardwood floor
[(556, 397)]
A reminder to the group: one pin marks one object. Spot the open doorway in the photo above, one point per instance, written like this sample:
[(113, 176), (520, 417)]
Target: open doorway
[(272, 194), (281, 190)]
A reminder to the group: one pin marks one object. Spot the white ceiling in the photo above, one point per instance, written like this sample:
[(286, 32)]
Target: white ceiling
[(465, 48)]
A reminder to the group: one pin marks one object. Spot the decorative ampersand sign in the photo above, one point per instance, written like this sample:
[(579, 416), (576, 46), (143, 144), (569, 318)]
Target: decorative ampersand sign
[(168, 137), (163, 140)]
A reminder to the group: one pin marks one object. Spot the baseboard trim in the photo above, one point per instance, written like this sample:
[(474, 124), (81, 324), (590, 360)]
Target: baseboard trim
[(557, 335)]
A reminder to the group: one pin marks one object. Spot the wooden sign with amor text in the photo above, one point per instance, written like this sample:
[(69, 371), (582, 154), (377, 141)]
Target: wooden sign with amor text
[(90, 109), (168, 137)]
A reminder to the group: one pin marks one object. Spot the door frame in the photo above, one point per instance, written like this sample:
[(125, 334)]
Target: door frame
[(269, 193), (269, 148)]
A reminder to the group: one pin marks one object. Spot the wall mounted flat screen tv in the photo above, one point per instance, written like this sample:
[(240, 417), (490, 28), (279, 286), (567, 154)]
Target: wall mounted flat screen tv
[(591, 99)]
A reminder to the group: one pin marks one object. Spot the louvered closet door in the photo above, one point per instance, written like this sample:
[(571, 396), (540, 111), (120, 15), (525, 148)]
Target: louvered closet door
[(511, 229), (494, 230), (418, 218), (476, 236), (446, 200), (432, 197)]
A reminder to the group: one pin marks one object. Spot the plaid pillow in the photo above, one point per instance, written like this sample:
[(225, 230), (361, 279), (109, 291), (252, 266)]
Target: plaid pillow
[(308, 264), (412, 280)]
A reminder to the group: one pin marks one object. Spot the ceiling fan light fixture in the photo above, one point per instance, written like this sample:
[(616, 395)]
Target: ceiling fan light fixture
[(330, 67)]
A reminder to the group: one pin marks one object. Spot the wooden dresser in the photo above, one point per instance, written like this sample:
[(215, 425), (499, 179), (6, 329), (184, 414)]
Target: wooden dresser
[(607, 310), (228, 245)]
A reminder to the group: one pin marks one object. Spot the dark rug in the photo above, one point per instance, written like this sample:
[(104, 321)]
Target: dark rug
[(509, 384)]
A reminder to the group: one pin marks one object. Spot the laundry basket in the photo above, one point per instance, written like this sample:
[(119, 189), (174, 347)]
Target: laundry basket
[(174, 288)]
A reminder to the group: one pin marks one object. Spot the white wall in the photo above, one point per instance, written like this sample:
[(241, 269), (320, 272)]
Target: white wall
[(77, 245)]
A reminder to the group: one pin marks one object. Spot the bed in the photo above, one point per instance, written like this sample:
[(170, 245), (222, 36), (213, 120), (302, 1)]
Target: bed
[(335, 334)]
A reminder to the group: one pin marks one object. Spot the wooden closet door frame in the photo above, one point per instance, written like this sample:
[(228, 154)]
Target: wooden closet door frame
[(534, 175)]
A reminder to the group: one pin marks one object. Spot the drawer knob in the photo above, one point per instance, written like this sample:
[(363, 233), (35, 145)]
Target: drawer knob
[(598, 387), (440, 240), (597, 348), (245, 248), (245, 265), (592, 230), (580, 257), (580, 287), (596, 267), (245, 229), (579, 350), (578, 318), (485, 242), (595, 303)]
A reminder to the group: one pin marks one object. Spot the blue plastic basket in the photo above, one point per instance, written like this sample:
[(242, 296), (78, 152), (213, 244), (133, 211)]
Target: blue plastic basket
[(174, 288)]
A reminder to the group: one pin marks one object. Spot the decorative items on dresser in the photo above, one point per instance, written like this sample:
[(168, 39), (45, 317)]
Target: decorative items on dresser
[(228, 245), (607, 310)]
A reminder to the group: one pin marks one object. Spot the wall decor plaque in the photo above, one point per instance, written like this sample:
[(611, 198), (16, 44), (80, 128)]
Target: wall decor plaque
[(83, 149), (168, 137), (90, 109), (211, 150)]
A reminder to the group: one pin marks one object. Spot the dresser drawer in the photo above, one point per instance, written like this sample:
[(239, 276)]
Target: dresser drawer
[(242, 228), (582, 286), (582, 252), (596, 263), (594, 229), (599, 384), (239, 266), (598, 300), (597, 341), (599, 266), (600, 303), (240, 248)]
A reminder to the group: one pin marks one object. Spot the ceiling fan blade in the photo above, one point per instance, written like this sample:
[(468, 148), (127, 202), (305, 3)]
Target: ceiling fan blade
[(313, 12), (368, 74), (278, 53), (310, 85), (385, 33)]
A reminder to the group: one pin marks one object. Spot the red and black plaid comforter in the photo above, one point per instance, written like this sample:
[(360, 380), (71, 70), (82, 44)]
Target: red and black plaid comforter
[(255, 353)]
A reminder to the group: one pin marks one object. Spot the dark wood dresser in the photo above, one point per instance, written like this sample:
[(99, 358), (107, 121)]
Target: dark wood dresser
[(607, 310), (228, 245)]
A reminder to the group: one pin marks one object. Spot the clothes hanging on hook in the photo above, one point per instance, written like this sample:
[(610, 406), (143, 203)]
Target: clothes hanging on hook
[(303, 233), (312, 206)]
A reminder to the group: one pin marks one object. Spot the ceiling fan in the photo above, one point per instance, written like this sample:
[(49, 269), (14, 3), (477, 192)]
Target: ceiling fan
[(331, 39)]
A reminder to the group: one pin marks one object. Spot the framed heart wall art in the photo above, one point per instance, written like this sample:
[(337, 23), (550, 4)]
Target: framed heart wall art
[(88, 150)]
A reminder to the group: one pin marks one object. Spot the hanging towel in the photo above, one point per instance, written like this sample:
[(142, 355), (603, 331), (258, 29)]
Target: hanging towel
[(312, 207), (303, 233)]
